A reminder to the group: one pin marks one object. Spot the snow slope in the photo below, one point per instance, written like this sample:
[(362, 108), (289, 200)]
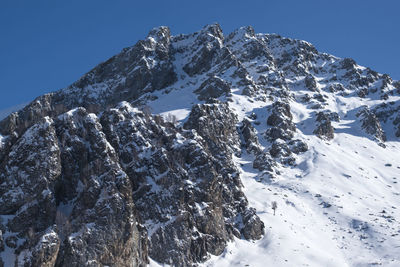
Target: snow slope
[(338, 205)]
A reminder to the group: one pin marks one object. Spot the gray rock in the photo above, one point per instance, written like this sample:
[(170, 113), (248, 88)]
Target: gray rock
[(213, 87), (348, 63), (253, 226), (249, 137), (45, 252), (336, 87), (371, 124), (87, 180), (324, 128), (297, 146), (210, 38), (279, 149), (310, 83), (281, 122), (175, 185), (264, 162)]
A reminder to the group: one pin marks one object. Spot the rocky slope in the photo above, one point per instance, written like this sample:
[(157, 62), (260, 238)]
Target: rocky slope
[(143, 159)]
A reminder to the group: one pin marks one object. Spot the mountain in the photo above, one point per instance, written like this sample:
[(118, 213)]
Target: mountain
[(5, 112), (173, 152)]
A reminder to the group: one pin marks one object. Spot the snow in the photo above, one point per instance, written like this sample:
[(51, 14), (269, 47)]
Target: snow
[(337, 207), (303, 232), (2, 140), (7, 255)]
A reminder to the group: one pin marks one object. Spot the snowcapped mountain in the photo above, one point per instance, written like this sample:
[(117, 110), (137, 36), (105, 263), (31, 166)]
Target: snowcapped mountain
[(173, 151)]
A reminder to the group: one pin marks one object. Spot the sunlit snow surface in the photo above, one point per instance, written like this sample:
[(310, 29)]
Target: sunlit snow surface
[(338, 207)]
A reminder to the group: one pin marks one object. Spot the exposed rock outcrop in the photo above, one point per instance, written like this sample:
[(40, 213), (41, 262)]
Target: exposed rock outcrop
[(371, 124), (324, 128), (249, 137), (213, 87), (87, 179), (281, 122)]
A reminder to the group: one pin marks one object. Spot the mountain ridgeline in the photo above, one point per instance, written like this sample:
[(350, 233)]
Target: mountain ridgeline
[(113, 171)]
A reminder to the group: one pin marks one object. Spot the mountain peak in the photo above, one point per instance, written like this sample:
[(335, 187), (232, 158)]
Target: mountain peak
[(160, 34), (182, 149)]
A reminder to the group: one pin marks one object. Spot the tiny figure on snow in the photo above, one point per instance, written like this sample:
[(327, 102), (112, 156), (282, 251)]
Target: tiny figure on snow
[(274, 206)]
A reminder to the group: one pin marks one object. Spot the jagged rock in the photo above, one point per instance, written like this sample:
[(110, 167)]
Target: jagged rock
[(216, 118), (336, 87), (27, 181), (164, 163), (362, 92), (371, 124), (253, 226), (211, 38), (279, 149), (213, 87), (249, 136), (297, 146), (278, 133), (396, 85), (281, 122), (44, 253), (72, 162), (310, 83), (386, 80), (324, 115), (137, 70), (263, 162), (244, 81), (324, 128), (320, 98), (396, 121), (87, 180), (348, 64), (254, 47), (281, 152), (104, 222)]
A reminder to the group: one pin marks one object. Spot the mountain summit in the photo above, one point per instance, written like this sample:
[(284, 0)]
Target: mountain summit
[(206, 149)]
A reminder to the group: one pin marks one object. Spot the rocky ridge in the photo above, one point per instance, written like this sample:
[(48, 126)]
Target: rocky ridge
[(115, 184)]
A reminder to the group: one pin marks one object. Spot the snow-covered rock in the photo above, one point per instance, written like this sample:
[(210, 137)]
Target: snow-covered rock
[(173, 151)]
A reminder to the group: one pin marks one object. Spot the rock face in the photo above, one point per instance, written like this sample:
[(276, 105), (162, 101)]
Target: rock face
[(213, 87), (371, 124), (185, 183), (77, 187), (89, 177), (281, 122), (249, 137), (115, 189), (324, 128)]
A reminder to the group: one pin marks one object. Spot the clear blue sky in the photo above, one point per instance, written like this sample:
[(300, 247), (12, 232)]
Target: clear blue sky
[(47, 45)]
